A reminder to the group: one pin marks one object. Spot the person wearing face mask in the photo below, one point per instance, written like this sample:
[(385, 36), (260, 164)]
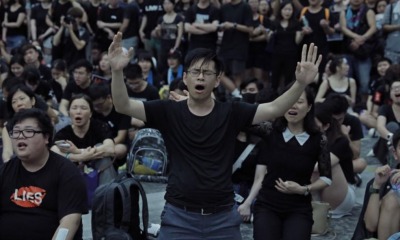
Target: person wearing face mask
[(249, 90)]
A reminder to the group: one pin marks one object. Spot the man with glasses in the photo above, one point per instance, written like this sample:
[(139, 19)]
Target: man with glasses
[(199, 134), (42, 194), (119, 123)]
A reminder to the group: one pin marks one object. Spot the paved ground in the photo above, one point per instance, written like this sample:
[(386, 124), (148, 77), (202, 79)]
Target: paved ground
[(341, 229)]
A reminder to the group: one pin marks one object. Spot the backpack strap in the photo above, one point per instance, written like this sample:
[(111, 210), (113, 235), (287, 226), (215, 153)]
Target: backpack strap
[(109, 200), (128, 184), (303, 12), (327, 13)]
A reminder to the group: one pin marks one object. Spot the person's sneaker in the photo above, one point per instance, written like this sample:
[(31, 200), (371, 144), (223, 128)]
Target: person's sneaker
[(371, 153), (372, 133), (154, 229)]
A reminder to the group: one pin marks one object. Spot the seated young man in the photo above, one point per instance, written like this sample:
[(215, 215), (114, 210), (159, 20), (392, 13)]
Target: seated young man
[(118, 123), (42, 194)]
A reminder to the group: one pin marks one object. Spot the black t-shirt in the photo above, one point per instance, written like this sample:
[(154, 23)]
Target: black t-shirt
[(200, 149), (68, 49), (285, 38), (153, 10), (341, 149), (258, 47), (235, 44), (149, 93), (39, 14), (92, 13), (44, 90), (33, 203), (381, 96), (111, 15), (248, 169), (98, 132), (354, 122), (291, 161), (131, 12), (45, 73), (59, 10), (196, 14), (116, 121), (318, 36), (13, 17), (387, 112), (169, 32), (73, 89)]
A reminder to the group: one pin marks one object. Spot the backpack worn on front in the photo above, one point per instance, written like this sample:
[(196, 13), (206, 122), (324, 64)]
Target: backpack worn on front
[(147, 157), (115, 212)]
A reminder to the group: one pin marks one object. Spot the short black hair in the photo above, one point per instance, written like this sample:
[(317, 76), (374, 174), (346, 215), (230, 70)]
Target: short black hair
[(31, 75), (83, 63), (258, 83), (59, 64), (20, 87), (336, 62), (392, 74), (99, 90), (27, 47), (44, 121), (133, 71), (10, 82), (79, 96), (383, 59), (204, 54), (336, 103)]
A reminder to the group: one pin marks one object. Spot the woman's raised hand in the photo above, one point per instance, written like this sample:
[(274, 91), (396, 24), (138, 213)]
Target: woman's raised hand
[(119, 57)]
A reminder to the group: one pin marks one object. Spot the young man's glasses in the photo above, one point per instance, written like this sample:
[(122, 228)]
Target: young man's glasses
[(26, 133), (196, 73)]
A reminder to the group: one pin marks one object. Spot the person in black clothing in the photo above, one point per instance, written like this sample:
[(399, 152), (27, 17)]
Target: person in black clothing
[(341, 193), (130, 25), (71, 38), (118, 123), (38, 26), (42, 195), (149, 71), (201, 21), (199, 133), (152, 10), (380, 215), (31, 77), (292, 149), (284, 39), (14, 26), (235, 21), (32, 57), (90, 140), (109, 22), (82, 72)]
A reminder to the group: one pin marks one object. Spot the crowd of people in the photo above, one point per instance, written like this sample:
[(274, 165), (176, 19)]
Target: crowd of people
[(209, 75)]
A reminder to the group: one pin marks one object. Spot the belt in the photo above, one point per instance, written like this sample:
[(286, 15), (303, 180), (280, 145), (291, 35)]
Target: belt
[(203, 211)]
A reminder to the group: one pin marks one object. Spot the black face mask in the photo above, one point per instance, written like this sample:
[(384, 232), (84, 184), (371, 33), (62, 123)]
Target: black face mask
[(249, 97)]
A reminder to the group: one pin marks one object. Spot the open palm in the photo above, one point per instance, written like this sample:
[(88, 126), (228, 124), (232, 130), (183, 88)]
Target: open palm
[(307, 69), (117, 56)]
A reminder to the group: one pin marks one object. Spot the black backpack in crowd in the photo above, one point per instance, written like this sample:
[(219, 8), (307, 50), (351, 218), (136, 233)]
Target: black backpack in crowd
[(115, 212)]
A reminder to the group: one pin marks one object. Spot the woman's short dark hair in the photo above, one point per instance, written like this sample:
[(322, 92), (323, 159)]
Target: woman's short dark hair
[(84, 97), (309, 124), (31, 75), (43, 120), (133, 71), (282, 5), (99, 90), (20, 87), (336, 62), (324, 115), (204, 54)]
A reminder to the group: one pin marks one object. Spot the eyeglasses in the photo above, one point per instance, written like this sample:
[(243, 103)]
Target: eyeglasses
[(26, 133), (395, 88), (196, 73), (99, 104)]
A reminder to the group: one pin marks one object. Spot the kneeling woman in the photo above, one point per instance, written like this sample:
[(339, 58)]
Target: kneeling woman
[(86, 140), (283, 207)]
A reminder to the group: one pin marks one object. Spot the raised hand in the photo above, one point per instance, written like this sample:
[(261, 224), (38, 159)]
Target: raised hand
[(307, 69), (117, 57)]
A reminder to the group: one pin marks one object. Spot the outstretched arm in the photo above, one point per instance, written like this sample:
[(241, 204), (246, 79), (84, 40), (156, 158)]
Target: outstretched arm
[(118, 60), (306, 71)]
